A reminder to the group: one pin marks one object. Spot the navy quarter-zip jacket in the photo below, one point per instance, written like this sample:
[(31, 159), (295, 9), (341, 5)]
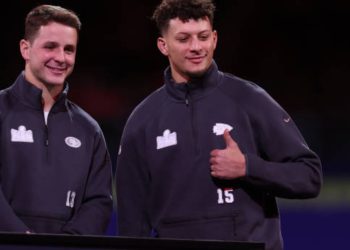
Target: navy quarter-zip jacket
[(163, 170), (54, 177)]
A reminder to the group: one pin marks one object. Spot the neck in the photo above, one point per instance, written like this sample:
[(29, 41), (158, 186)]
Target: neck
[(49, 92), (179, 79), (49, 98)]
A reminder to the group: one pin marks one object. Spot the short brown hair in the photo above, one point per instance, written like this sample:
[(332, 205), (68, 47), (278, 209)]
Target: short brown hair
[(45, 14), (184, 10)]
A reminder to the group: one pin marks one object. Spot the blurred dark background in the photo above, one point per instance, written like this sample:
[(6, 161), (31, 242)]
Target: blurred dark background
[(298, 50)]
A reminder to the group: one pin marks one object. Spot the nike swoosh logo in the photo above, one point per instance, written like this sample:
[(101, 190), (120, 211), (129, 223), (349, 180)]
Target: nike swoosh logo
[(286, 119)]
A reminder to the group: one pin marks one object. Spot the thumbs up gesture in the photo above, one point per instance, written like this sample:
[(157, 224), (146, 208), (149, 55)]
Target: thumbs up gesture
[(228, 163)]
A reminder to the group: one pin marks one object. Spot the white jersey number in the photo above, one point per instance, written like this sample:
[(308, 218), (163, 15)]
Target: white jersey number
[(225, 195)]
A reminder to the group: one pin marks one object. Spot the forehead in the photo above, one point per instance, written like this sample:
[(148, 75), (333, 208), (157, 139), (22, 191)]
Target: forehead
[(56, 32), (176, 25)]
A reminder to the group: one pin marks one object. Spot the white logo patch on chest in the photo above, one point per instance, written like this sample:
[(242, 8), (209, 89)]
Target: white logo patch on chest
[(22, 135), (219, 128), (72, 142), (167, 139)]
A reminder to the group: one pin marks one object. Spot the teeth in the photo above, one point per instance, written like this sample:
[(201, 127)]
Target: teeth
[(57, 69)]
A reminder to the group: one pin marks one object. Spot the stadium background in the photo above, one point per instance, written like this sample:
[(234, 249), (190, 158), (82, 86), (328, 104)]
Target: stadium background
[(298, 50)]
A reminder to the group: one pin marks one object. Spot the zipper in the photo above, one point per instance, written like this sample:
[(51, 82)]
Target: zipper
[(187, 96), (189, 104), (46, 135), (46, 142), (46, 132)]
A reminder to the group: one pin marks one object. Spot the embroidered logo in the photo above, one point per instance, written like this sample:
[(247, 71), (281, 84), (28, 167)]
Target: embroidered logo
[(220, 128), (22, 135), (72, 142), (70, 198), (167, 139), (286, 120)]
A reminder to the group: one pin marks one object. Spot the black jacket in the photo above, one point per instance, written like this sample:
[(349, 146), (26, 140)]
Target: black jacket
[(54, 178), (163, 170)]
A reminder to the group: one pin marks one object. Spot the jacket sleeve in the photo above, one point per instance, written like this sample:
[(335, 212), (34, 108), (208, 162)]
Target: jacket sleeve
[(9, 222), (284, 166), (132, 182), (94, 213)]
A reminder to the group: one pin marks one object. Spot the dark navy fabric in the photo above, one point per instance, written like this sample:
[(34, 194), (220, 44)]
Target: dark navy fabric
[(54, 178), (167, 187)]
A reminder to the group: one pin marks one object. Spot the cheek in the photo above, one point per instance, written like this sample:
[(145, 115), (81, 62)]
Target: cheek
[(179, 55), (177, 50), (70, 60), (40, 57), (210, 47)]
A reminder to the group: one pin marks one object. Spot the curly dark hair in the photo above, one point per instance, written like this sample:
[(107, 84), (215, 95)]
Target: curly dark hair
[(184, 10)]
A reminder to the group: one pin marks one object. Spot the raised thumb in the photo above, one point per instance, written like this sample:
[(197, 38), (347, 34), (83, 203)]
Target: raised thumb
[(228, 139)]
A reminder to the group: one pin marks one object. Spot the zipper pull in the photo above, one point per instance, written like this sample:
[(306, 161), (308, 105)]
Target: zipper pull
[(187, 95), (46, 136)]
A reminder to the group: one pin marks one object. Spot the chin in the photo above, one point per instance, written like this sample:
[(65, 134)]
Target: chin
[(197, 73), (53, 83), (57, 80)]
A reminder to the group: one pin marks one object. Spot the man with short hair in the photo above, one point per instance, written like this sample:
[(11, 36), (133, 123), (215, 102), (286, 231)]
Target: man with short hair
[(55, 171), (206, 155)]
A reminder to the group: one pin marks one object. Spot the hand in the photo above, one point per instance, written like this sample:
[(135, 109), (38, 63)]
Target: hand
[(228, 163)]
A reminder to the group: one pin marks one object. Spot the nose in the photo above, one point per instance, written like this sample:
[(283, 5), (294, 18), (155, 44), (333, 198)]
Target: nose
[(195, 45), (60, 55)]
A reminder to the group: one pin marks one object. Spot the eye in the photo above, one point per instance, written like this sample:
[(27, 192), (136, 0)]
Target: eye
[(203, 37), (182, 39), (50, 46), (69, 49)]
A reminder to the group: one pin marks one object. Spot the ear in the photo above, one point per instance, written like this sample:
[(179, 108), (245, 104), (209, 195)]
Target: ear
[(24, 47), (215, 37), (162, 46)]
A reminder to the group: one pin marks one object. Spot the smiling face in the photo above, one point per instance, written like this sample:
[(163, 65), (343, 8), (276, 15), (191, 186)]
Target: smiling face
[(50, 55), (189, 47)]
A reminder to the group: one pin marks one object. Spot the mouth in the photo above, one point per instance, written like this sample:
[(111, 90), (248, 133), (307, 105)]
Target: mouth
[(196, 59), (56, 70)]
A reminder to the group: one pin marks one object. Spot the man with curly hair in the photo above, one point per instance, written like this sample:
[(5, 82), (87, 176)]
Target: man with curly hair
[(206, 155)]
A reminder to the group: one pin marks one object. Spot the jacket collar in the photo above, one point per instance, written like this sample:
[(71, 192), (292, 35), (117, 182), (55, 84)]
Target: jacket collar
[(31, 96), (196, 87)]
